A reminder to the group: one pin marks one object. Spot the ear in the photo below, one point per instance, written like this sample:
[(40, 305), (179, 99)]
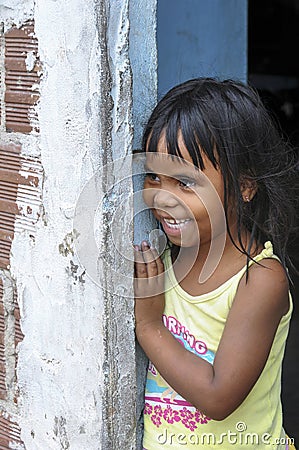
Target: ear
[(248, 188)]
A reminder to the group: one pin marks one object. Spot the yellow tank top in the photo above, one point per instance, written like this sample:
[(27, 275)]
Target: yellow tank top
[(170, 422)]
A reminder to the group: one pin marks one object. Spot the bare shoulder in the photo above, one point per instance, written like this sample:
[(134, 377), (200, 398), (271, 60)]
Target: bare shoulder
[(267, 280), (270, 274)]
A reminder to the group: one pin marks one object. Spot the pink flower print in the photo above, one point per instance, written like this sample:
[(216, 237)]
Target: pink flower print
[(186, 414), (156, 420), (187, 419), (200, 417), (152, 369), (190, 424), (171, 415), (158, 410), (148, 409)]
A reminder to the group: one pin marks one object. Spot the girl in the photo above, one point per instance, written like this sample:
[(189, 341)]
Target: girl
[(212, 314)]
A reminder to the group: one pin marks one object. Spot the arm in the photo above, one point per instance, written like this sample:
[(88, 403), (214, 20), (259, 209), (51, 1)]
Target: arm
[(243, 350)]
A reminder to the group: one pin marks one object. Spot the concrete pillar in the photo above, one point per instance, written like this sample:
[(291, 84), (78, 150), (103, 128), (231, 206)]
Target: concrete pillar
[(69, 371)]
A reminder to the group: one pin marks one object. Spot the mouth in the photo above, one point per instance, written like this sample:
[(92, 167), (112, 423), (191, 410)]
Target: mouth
[(174, 226)]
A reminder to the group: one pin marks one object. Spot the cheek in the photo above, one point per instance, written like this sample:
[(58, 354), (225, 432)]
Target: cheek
[(195, 207), (147, 196)]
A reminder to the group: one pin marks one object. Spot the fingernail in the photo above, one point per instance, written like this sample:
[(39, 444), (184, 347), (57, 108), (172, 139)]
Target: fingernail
[(136, 247), (145, 244)]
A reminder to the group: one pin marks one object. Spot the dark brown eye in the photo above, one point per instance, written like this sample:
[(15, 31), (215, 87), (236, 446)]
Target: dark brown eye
[(187, 182), (152, 176)]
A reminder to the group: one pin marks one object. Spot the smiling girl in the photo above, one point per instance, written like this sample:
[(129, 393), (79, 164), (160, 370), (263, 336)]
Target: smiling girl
[(213, 312)]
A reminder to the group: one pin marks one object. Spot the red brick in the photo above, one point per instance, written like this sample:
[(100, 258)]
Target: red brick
[(10, 433), (21, 82)]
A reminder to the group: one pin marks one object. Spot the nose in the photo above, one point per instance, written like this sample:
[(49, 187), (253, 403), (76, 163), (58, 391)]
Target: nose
[(164, 199)]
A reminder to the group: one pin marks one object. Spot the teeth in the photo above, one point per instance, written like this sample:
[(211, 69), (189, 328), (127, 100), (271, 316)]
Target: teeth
[(176, 222)]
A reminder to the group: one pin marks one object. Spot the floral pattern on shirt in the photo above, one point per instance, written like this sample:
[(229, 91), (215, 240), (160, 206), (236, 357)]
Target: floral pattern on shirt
[(189, 419)]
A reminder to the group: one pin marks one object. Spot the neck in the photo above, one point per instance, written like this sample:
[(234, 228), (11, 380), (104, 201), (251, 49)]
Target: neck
[(211, 253)]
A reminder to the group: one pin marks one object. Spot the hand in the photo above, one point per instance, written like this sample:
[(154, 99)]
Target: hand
[(148, 285)]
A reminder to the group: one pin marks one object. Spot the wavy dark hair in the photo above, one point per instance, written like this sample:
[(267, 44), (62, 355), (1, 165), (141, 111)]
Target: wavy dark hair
[(229, 123)]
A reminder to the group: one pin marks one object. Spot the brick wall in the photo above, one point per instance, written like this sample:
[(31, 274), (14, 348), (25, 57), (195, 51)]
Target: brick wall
[(20, 198)]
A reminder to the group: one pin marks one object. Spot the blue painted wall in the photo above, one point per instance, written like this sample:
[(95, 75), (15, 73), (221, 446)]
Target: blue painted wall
[(201, 38)]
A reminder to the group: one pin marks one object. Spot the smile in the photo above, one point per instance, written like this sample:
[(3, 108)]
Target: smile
[(176, 224)]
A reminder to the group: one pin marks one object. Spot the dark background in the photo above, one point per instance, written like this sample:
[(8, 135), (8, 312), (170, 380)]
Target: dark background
[(273, 68)]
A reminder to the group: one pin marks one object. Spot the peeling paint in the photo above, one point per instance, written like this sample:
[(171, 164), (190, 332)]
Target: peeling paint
[(76, 368), (74, 270), (30, 62), (60, 432), (67, 246), (16, 12), (60, 359)]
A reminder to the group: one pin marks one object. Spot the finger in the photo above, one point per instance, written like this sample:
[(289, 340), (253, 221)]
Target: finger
[(152, 254), (150, 260), (140, 266), (160, 265)]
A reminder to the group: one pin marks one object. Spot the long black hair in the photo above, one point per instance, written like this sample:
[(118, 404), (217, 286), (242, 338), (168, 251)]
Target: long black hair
[(229, 123)]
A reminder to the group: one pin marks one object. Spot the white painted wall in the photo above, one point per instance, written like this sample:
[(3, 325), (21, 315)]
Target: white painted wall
[(15, 12), (76, 372), (61, 357)]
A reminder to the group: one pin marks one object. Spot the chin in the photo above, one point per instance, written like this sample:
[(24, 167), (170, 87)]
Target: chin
[(183, 243)]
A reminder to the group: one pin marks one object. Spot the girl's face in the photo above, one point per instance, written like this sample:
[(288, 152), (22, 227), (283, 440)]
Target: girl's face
[(186, 201)]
